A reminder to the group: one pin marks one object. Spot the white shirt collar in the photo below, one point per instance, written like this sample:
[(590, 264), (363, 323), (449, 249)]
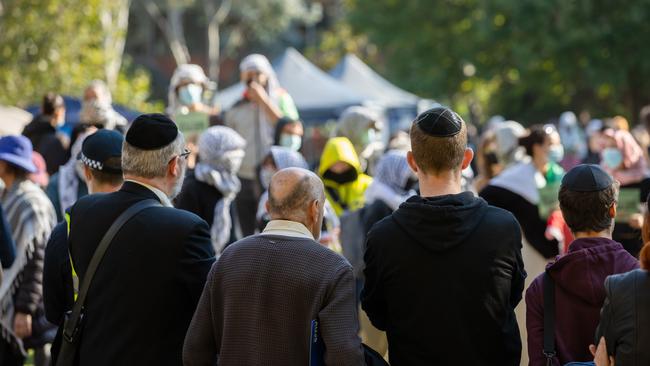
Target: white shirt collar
[(164, 200), (287, 228)]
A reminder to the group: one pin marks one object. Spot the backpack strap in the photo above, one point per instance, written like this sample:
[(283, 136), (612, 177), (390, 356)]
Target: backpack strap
[(549, 319)]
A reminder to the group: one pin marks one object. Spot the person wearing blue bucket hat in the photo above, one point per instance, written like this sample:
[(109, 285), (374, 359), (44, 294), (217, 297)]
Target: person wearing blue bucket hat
[(17, 151), (31, 217)]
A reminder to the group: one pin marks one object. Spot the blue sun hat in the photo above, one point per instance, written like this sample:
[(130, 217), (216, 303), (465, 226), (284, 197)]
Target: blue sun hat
[(17, 150)]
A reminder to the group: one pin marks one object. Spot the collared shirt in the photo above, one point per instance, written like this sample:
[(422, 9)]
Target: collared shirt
[(287, 228), (164, 200)]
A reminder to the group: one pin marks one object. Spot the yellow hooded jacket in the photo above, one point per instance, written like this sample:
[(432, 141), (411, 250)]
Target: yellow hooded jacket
[(351, 195)]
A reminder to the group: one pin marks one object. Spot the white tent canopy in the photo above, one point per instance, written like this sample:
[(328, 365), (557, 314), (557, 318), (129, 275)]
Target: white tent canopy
[(317, 95), (359, 77), (13, 120)]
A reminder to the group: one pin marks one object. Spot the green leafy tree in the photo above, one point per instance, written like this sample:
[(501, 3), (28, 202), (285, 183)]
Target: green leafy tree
[(527, 59), (60, 45)]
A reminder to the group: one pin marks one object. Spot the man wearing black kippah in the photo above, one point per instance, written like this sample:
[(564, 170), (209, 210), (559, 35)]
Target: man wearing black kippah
[(444, 271), (143, 294), (588, 197)]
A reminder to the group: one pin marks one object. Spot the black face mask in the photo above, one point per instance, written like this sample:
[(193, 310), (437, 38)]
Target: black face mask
[(341, 178)]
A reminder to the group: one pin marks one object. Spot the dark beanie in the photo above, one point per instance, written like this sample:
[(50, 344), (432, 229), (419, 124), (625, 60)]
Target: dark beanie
[(151, 132)]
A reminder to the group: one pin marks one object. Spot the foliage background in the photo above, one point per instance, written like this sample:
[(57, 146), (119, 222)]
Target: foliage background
[(525, 59)]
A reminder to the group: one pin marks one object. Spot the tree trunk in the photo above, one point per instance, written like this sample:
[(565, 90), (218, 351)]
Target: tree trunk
[(175, 19), (114, 18), (215, 19)]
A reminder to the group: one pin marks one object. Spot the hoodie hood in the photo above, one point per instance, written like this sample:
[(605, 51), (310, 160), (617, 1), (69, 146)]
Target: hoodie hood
[(338, 149), (582, 271), (442, 222)]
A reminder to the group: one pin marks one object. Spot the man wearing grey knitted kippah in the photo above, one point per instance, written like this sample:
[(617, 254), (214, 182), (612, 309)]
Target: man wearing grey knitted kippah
[(264, 291)]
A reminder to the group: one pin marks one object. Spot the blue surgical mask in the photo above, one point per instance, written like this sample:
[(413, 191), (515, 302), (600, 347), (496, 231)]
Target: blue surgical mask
[(556, 153), (293, 142), (370, 137), (612, 158), (190, 94)]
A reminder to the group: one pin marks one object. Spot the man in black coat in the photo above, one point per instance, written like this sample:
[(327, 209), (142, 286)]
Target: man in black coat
[(146, 288), (444, 271)]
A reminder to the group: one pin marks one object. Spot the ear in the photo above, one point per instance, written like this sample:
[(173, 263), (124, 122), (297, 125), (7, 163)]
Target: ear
[(467, 158), (267, 206), (172, 167), (314, 209), (612, 210), (87, 174), (411, 161)]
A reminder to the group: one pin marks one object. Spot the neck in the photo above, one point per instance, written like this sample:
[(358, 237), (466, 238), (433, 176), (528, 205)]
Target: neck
[(104, 187), (593, 234), (154, 182), (540, 164), (9, 181), (439, 185)]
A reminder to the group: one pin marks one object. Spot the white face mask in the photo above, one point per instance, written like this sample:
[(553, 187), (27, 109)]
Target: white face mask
[(293, 142)]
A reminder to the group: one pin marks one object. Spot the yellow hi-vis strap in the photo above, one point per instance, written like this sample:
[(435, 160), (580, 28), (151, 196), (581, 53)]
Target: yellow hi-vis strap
[(75, 278)]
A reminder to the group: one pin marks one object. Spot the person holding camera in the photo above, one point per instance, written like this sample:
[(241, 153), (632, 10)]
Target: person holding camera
[(254, 117)]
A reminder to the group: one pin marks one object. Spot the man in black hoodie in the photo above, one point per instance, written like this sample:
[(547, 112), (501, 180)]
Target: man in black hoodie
[(41, 131), (444, 271)]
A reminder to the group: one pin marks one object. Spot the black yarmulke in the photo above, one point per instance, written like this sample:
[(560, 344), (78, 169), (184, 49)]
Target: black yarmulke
[(439, 122), (99, 147), (151, 131), (587, 178)]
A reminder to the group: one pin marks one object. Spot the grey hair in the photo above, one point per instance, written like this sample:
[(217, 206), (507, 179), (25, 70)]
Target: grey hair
[(150, 163), (293, 205)]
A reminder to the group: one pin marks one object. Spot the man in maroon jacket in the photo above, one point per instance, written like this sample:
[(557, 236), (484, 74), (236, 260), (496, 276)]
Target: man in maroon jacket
[(588, 198)]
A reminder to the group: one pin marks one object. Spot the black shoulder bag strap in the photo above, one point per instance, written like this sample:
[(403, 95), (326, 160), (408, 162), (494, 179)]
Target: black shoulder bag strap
[(549, 319), (74, 319)]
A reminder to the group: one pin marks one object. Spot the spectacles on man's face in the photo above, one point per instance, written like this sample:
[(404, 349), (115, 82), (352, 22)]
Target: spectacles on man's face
[(186, 152)]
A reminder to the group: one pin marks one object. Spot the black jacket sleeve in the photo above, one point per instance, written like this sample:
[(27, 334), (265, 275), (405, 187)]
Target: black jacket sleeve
[(533, 226), (621, 317), (7, 246), (519, 273), (372, 296), (196, 261), (57, 276)]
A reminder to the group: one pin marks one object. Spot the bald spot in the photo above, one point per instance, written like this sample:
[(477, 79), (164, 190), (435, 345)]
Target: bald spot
[(291, 191)]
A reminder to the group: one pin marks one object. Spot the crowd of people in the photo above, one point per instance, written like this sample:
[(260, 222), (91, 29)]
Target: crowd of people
[(203, 237)]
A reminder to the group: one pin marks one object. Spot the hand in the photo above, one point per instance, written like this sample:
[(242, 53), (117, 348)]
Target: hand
[(23, 325), (256, 92), (601, 357), (636, 221)]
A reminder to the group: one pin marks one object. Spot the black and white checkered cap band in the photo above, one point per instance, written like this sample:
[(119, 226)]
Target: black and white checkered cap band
[(91, 163)]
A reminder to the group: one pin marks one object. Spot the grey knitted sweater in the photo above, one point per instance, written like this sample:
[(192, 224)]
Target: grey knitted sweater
[(259, 301)]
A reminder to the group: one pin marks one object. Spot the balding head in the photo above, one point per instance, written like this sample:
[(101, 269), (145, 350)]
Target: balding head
[(298, 195)]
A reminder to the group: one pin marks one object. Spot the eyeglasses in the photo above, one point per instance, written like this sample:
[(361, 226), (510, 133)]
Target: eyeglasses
[(186, 152)]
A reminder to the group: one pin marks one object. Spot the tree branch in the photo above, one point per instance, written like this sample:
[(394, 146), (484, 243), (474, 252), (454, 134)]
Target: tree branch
[(171, 29)]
